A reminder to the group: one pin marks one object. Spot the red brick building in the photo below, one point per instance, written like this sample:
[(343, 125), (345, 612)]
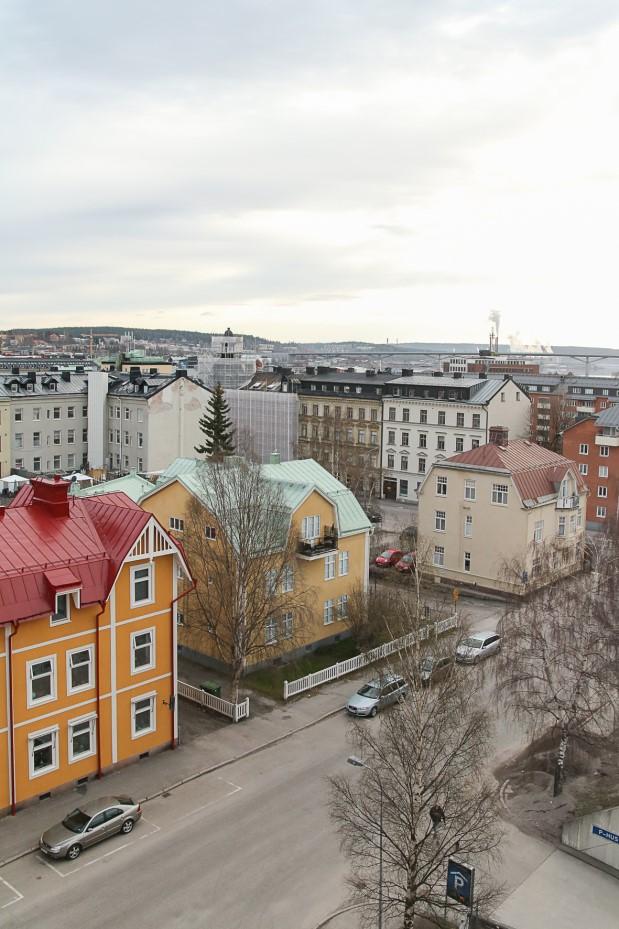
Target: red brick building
[(593, 443)]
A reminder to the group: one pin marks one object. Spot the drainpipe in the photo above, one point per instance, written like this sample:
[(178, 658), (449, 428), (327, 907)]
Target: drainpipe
[(173, 697), (98, 676), (9, 658)]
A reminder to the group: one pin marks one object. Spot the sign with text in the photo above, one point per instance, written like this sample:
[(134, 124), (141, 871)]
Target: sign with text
[(460, 882), (605, 834)]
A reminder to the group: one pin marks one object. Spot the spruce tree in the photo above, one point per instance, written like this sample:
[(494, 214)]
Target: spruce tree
[(217, 427)]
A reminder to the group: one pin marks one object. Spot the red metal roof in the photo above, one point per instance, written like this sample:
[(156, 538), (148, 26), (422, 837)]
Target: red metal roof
[(85, 547), (536, 471)]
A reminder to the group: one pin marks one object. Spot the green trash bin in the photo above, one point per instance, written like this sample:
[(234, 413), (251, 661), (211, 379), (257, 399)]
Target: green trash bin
[(211, 688)]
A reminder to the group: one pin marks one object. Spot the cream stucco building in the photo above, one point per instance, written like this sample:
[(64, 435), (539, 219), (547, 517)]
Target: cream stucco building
[(505, 516)]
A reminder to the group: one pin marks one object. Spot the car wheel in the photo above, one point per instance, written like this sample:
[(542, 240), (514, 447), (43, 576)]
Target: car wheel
[(127, 826), (74, 852), (373, 712)]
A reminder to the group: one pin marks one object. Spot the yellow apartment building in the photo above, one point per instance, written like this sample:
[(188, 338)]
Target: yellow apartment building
[(88, 594)]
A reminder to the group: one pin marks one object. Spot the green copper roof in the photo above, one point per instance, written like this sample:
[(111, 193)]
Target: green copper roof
[(295, 480), (131, 484)]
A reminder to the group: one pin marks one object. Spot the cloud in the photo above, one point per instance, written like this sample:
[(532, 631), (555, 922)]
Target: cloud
[(357, 158)]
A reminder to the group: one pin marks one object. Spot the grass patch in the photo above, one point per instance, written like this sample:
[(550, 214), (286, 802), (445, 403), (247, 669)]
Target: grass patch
[(270, 681)]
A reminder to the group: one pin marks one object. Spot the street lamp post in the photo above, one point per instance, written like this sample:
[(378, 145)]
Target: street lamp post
[(359, 763)]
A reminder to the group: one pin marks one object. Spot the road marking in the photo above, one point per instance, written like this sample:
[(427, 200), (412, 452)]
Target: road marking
[(204, 806), (503, 789), (13, 890), (112, 851)]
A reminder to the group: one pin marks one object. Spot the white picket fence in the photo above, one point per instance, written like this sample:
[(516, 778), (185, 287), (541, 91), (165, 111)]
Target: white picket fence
[(234, 711), (360, 661)]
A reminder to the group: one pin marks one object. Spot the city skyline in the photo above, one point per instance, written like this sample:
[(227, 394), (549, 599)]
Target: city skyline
[(321, 174)]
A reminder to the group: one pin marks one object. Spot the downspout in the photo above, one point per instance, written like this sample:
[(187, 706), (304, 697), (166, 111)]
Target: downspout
[(9, 658), (98, 676), (173, 697)]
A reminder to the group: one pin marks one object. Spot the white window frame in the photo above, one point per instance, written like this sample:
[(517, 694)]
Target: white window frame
[(538, 531), (583, 448), (91, 681), (177, 524), (287, 579), (287, 624), (330, 566), (561, 527), (601, 512), (64, 619), (328, 612), (440, 521), (467, 558), (344, 563), (210, 533), (583, 468), (270, 631), (153, 650), (468, 526), (603, 471), (498, 492), (151, 584), (91, 720), (441, 481), (53, 732), (30, 701), (604, 451), (310, 528), (152, 697), (470, 489), (602, 491), (342, 606), (438, 556)]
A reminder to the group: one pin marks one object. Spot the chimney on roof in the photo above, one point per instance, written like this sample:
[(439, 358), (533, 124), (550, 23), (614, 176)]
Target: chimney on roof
[(408, 372), (134, 373), (483, 376), (32, 377), (275, 458), (310, 370), (498, 435), (14, 370), (51, 495), (66, 376), (181, 372)]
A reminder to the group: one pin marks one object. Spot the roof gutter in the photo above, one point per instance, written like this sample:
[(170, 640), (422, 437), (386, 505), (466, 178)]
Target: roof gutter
[(11, 721), (98, 676)]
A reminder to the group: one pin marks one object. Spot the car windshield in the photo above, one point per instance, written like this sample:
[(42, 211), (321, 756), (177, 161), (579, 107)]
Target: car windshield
[(368, 690), (407, 558), (76, 821), (386, 554), (472, 643), (427, 664)]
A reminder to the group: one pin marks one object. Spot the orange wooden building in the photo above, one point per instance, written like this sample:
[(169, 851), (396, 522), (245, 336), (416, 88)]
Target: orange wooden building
[(88, 591)]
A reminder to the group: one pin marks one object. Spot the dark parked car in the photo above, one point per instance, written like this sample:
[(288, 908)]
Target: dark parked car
[(406, 564), (435, 669), (387, 558), (88, 824)]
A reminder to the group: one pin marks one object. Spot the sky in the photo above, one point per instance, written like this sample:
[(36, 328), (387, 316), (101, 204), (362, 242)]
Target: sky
[(317, 170)]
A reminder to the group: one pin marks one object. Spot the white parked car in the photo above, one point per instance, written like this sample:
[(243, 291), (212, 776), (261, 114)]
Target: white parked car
[(478, 646)]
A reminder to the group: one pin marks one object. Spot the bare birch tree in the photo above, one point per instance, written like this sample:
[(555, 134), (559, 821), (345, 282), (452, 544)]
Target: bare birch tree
[(557, 665), (422, 796), (242, 546)]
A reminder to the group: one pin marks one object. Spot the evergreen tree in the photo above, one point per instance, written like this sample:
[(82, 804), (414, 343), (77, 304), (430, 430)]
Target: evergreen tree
[(217, 427)]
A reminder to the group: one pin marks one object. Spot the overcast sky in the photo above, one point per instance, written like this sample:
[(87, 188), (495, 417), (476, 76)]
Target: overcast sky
[(312, 169)]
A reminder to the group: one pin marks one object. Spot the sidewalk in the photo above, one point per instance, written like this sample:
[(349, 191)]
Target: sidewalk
[(152, 776)]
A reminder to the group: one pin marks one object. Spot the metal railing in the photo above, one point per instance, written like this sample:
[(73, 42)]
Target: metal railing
[(291, 688), (234, 711)]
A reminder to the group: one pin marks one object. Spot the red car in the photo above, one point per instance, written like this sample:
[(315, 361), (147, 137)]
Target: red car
[(406, 564), (387, 558)]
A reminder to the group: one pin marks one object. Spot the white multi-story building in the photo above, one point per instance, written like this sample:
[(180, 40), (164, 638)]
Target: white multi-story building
[(427, 418), (44, 420)]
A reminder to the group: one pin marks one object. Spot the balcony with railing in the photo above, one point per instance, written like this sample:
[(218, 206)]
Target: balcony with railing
[(316, 548), (568, 503), (608, 437)]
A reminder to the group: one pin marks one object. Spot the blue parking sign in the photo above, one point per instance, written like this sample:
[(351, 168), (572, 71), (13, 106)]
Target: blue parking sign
[(460, 882)]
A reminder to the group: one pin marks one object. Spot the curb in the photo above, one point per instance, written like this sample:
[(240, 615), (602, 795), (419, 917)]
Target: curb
[(193, 777)]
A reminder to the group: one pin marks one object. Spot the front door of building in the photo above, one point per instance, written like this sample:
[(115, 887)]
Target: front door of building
[(390, 488)]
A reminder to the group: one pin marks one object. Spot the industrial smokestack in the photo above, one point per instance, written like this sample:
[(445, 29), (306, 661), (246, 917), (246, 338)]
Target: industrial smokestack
[(495, 321)]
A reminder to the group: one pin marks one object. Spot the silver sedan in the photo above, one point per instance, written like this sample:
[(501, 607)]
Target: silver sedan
[(88, 824)]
